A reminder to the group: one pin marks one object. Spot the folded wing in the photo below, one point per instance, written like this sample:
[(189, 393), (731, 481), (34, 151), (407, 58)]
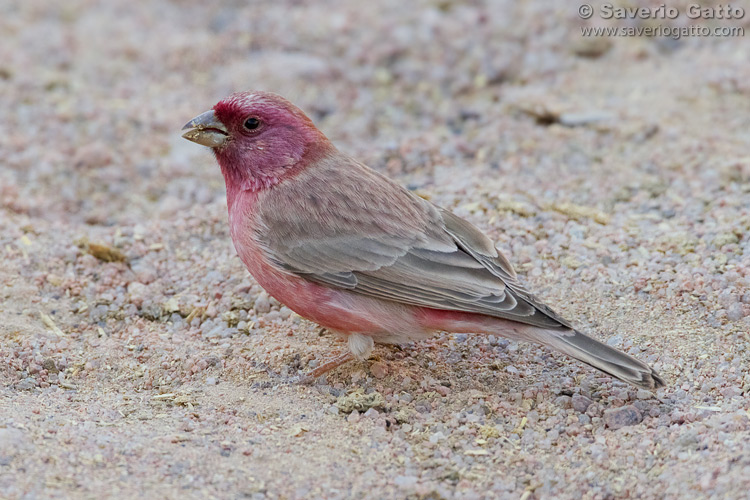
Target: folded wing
[(370, 236)]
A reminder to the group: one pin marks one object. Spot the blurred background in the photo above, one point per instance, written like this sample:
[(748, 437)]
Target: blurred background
[(95, 92), (614, 171)]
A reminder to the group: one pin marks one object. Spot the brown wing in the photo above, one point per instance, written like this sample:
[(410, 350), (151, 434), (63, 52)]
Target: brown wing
[(366, 234)]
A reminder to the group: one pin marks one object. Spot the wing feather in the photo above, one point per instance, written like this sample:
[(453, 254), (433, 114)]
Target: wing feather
[(372, 237)]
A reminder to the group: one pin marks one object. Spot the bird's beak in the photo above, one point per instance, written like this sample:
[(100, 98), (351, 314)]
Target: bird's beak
[(206, 130)]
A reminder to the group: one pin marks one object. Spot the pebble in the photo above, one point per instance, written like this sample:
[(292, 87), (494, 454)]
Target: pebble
[(580, 403), (50, 365), (617, 418), (442, 390), (262, 303), (594, 410), (735, 312), (644, 394), (379, 370), (137, 292), (27, 384), (680, 394), (423, 407), (564, 402), (436, 437)]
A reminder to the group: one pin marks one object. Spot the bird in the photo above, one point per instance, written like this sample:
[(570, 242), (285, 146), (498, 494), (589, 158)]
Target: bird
[(354, 251)]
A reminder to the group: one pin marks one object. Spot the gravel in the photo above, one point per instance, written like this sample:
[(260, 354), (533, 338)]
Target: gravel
[(580, 403), (617, 418), (139, 359)]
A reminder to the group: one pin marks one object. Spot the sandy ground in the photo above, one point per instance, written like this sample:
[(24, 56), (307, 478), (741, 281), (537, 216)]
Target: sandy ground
[(140, 360)]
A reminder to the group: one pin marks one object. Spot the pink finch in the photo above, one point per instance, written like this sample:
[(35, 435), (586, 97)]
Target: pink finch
[(348, 248)]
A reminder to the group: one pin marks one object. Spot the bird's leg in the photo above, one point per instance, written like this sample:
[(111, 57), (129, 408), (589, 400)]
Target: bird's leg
[(339, 360)]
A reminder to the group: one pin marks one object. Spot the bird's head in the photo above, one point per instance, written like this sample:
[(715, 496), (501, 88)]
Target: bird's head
[(258, 138)]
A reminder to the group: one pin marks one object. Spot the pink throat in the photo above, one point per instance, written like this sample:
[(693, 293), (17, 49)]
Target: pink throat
[(241, 177), (238, 181), (252, 183)]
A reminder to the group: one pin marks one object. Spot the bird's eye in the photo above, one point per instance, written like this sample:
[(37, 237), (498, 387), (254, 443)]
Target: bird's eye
[(252, 123)]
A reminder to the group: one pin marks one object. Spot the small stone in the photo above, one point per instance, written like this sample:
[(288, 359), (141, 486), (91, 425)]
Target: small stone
[(735, 312), (171, 305), (27, 384), (50, 366), (438, 436), (442, 390), (372, 413), (144, 272), (423, 407), (137, 293), (680, 394), (263, 303), (151, 311), (730, 392), (564, 402), (379, 370), (353, 417), (594, 410), (617, 418), (580, 403), (644, 394)]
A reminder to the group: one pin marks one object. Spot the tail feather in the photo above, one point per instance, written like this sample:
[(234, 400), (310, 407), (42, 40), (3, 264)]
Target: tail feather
[(605, 358)]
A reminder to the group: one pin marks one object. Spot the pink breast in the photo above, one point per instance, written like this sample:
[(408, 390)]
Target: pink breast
[(328, 307)]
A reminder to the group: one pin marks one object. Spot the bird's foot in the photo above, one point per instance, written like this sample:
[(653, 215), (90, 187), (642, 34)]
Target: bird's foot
[(339, 360)]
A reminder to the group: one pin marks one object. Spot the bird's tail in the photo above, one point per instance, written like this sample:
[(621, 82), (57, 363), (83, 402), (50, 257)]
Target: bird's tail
[(604, 358)]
